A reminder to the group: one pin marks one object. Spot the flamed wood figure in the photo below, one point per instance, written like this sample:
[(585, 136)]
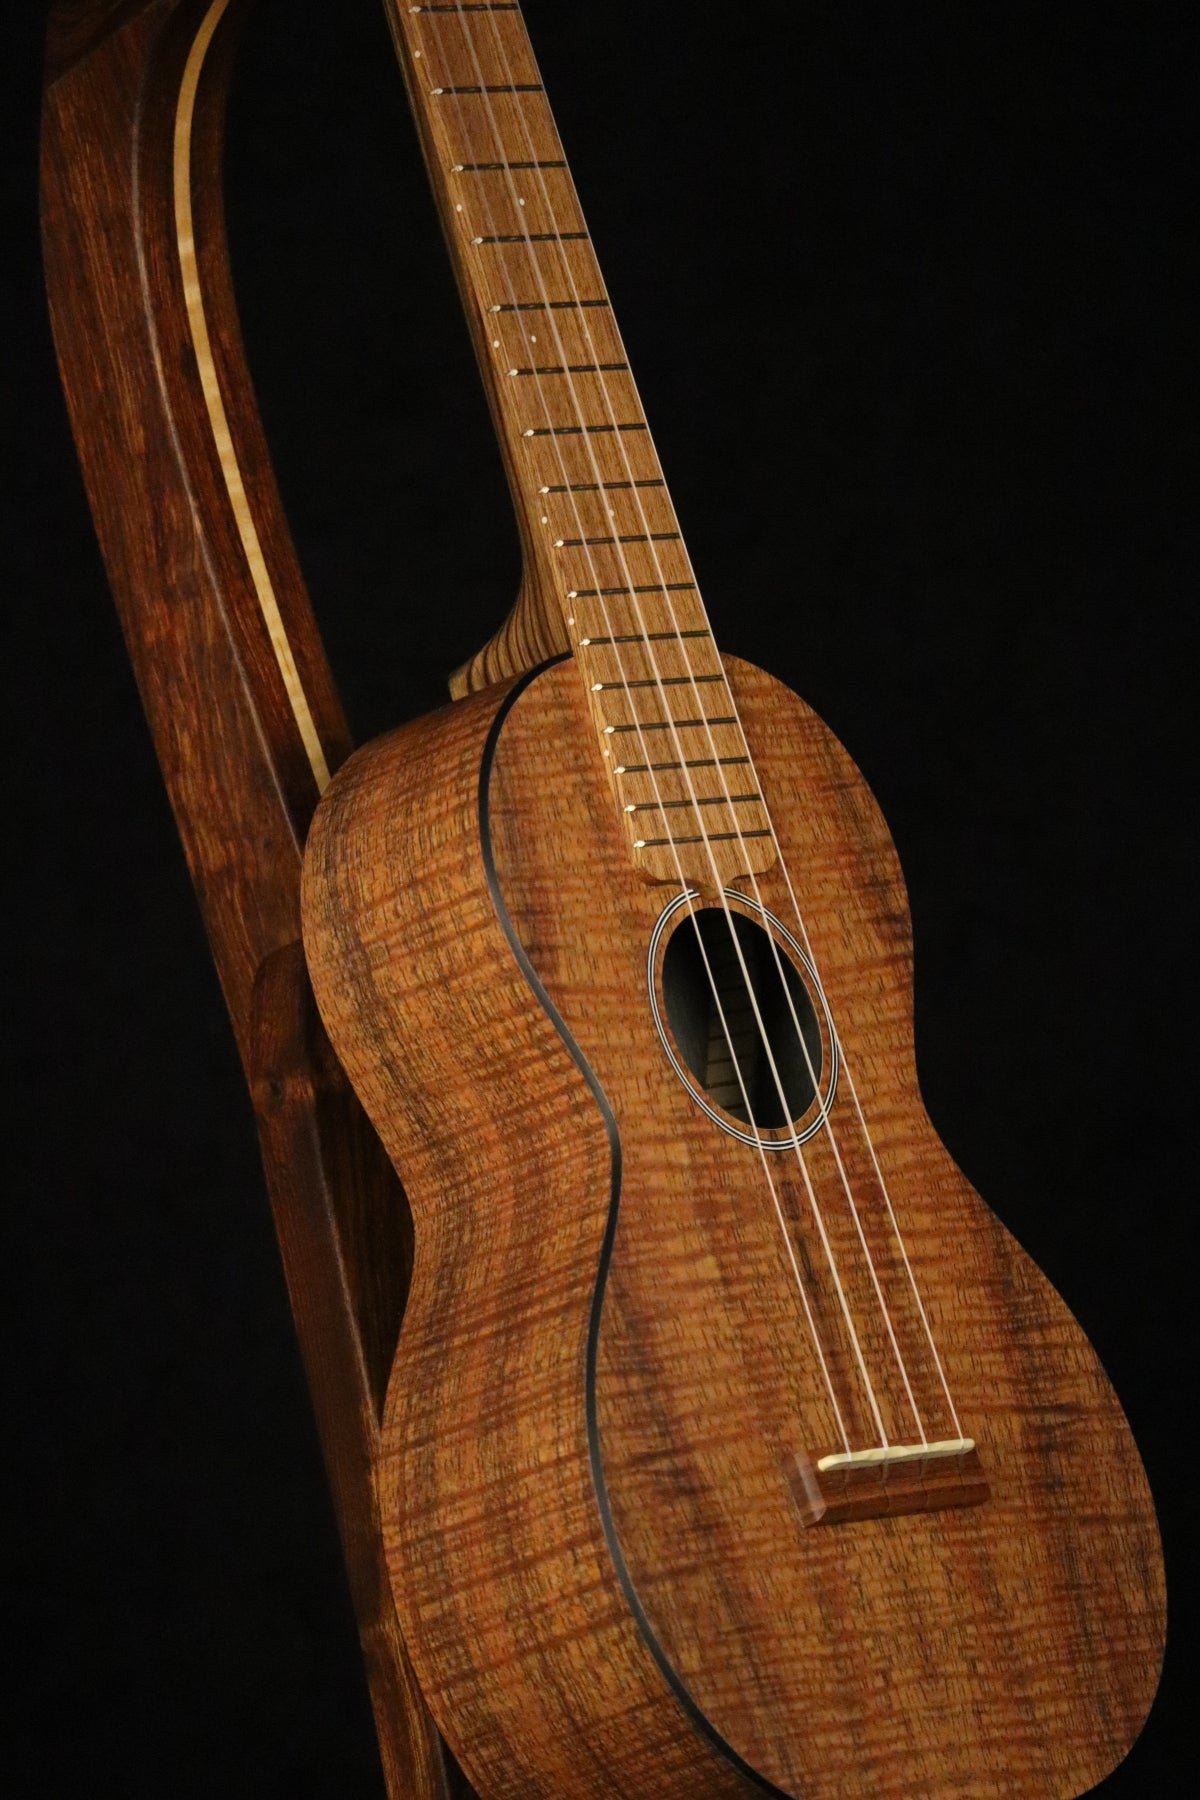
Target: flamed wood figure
[(731, 1445), (239, 697)]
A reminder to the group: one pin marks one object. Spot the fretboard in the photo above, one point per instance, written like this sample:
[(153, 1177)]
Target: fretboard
[(599, 529)]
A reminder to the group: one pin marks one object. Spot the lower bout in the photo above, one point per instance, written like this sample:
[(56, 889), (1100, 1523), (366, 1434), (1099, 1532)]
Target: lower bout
[(523, 1641)]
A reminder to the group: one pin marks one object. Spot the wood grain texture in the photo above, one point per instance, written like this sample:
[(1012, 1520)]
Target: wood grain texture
[(234, 761), (332, 1189), (605, 1581), (830, 1497), (606, 569)]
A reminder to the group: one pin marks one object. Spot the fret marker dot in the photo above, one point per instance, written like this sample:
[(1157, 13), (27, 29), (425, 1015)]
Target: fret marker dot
[(495, 343), (545, 519), (458, 208)]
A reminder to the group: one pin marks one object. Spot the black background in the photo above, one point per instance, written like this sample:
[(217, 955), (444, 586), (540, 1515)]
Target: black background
[(904, 289)]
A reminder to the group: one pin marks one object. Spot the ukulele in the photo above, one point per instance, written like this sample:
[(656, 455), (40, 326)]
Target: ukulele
[(732, 1445)]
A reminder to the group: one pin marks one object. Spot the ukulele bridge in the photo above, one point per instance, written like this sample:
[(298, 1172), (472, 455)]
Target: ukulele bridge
[(884, 1483)]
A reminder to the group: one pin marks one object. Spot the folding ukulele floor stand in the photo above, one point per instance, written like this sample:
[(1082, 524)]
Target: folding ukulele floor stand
[(243, 709)]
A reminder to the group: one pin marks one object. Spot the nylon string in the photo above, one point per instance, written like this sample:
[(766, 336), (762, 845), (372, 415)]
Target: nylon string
[(825, 1121), (656, 671), (685, 888), (719, 885)]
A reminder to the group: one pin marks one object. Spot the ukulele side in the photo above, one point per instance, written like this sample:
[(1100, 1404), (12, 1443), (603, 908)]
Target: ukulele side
[(490, 1521)]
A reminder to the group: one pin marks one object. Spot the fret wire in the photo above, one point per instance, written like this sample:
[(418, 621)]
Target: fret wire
[(534, 237), (541, 305), (596, 487), (674, 805), (615, 368), (698, 762), (583, 430), (653, 587), (703, 837), (604, 687), (664, 725), (644, 637), (518, 87), (637, 537)]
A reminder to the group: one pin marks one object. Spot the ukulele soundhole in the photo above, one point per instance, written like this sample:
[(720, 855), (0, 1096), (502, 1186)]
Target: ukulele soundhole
[(743, 1019)]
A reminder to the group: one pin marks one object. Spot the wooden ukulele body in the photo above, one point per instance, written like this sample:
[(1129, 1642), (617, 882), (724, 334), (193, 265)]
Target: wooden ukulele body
[(607, 1584)]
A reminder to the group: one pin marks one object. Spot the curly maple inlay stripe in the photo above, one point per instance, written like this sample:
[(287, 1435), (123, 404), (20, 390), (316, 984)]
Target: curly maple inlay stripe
[(215, 404)]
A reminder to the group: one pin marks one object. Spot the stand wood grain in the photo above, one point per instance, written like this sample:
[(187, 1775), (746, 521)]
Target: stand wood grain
[(239, 772)]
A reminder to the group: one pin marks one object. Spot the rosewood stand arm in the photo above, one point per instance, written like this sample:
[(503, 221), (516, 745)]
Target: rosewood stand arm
[(239, 696)]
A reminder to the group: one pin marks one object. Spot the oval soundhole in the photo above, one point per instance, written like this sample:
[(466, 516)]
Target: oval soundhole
[(731, 1058)]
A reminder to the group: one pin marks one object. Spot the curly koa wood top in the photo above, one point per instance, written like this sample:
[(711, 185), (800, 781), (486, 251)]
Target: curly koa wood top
[(609, 1582)]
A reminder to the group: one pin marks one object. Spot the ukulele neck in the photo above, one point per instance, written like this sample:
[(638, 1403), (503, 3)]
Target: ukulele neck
[(607, 573)]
